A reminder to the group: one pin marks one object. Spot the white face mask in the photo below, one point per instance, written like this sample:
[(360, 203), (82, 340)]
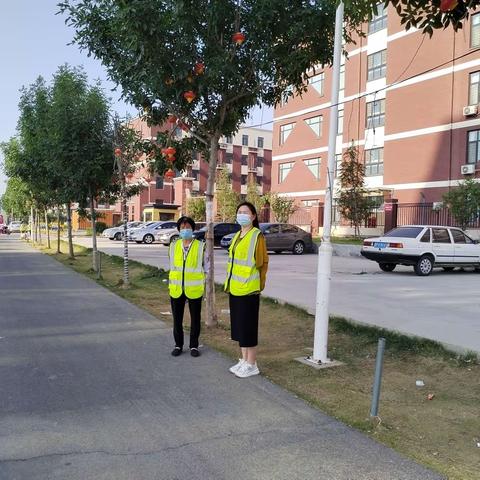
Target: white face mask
[(244, 219)]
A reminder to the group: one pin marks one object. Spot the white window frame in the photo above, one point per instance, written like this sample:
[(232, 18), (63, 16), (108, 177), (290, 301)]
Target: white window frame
[(373, 166), (285, 131), (314, 165), (318, 82), (283, 170), (379, 21), (316, 124), (376, 117), (474, 88), (377, 65), (475, 30), (476, 145)]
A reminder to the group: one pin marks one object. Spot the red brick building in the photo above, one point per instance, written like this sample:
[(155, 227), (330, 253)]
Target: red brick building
[(247, 155), (403, 101)]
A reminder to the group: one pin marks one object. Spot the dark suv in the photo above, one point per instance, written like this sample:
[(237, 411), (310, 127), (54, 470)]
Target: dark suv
[(219, 231)]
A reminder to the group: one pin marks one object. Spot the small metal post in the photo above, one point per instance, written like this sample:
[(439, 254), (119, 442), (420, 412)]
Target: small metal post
[(378, 378)]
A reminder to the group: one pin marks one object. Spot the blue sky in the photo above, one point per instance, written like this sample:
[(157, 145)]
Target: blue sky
[(34, 41)]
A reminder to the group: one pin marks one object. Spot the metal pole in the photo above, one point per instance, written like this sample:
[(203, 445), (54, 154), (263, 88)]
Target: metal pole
[(377, 383), (320, 342)]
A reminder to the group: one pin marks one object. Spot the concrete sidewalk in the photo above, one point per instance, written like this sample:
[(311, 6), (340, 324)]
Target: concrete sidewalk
[(90, 391)]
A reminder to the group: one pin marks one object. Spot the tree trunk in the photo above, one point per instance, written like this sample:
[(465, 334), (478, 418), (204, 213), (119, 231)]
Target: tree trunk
[(126, 276), (47, 229), (211, 319), (69, 231), (39, 226), (58, 230), (94, 233), (31, 224)]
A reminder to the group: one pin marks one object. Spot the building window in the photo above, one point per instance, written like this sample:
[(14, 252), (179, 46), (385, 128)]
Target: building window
[(229, 139), (377, 65), (284, 170), (315, 123), (378, 21), (473, 97), (317, 82), (473, 155), (285, 131), (159, 183), (259, 161), (244, 160), (338, 164), (260, 142), (475, 31), (259, 180), (245, 140), (342, 77), (313, 165), (375, 114), (340, 122), (228, 157), (374, 162), (243, 180)]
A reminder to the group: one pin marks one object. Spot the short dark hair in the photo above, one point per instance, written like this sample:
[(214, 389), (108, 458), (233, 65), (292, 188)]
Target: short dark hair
[(253, 210), (185, 219)]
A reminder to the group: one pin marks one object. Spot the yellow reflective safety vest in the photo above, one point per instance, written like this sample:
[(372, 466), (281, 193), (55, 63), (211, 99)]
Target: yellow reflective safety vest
[(243, 276), (186, 275)]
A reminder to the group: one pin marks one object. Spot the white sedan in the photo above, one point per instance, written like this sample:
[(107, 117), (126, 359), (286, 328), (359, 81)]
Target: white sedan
[(423, 247)]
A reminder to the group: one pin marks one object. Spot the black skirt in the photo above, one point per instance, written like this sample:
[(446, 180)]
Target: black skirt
[(244, 319)]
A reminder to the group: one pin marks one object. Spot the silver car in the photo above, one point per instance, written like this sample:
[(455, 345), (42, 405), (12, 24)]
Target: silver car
[(116, 233), (151, 232)]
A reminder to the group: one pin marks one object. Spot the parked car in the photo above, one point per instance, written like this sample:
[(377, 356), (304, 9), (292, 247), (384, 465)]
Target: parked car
[(170, 235), (151, 232), (14, 227), (219, 231), (281, 237), (423, 247), (116, 233)]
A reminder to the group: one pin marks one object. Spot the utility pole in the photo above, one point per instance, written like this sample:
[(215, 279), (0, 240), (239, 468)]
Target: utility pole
[(320, 342)]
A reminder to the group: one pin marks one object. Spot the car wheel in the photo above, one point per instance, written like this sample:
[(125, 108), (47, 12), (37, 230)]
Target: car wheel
[(387, 267), (174, 238), (424, 266), (118, 236), (278, 252), (298, 248), (148, 239), (448, 269)]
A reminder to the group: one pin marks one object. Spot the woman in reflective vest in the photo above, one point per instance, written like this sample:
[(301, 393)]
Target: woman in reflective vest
[(186, 281), (246, 273)]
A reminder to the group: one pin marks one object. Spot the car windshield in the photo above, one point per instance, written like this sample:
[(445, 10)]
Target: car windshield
[(405, 232)]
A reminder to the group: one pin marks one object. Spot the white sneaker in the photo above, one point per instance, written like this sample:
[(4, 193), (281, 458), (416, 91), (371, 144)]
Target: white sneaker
[(237, 366), (247, 370)]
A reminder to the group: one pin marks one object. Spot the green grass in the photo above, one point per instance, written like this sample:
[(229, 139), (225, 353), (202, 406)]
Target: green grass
[(342, 240), (441, 433)]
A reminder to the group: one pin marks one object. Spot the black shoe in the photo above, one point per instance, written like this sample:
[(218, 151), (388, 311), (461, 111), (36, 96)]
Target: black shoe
[(194, 352), (177, 351)]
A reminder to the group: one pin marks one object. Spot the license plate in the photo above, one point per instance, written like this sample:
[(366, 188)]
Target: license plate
[(380, 245)]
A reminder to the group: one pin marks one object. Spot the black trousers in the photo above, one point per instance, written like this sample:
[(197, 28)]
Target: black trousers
[(178, 308)]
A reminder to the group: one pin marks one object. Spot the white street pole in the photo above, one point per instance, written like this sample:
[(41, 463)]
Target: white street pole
[(320, 341)]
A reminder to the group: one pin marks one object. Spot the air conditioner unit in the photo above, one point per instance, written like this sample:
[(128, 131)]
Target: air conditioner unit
[(470, 110), (467, 169)]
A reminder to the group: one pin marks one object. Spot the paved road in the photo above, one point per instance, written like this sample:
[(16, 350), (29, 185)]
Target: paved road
[(443, 307), (91, 392)]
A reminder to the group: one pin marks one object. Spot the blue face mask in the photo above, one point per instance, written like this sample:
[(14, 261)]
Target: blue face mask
[(244, 219), (186, 234)]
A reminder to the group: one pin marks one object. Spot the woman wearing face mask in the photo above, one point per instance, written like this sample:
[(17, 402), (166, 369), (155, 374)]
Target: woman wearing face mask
[(246, 274), (186, 281)]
